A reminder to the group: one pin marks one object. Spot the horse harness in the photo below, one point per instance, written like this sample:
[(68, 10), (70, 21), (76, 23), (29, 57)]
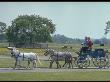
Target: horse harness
[(55, 55), (18, 55)]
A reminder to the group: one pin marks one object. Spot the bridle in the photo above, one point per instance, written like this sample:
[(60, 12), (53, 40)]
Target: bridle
[(48, 52), (13, 54)]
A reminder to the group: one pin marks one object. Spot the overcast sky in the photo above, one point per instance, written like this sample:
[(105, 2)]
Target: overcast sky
[(72, 19)]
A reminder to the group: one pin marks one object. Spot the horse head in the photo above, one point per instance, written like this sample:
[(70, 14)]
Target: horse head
[(14, 52), (48, 51)]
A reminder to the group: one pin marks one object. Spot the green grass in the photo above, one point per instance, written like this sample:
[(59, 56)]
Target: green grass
[(57, 47), (49, 76), (56, 76), (6, 63)]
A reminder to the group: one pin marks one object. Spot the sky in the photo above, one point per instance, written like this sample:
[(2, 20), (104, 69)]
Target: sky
[(72, 19)]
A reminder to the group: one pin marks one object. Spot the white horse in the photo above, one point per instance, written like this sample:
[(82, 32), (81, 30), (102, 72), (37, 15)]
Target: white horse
[(18, 56)]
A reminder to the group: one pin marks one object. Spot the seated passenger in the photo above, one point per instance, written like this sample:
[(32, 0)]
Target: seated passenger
[(84, 48)]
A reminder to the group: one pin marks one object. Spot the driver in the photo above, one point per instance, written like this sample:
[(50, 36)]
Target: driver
[(86, 46)]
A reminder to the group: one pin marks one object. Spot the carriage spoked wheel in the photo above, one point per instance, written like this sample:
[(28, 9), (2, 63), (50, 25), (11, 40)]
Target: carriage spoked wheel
[(87, 63), (107, 59), (101, 62), (83, 62), (104, 61), (79, 63), (95, 62)]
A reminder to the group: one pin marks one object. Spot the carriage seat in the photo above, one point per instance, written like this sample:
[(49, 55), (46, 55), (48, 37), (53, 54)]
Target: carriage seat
[(84, 50), (100, 52)]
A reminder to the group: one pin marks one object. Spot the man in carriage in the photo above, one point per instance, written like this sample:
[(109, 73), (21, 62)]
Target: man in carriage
[(86, 46)]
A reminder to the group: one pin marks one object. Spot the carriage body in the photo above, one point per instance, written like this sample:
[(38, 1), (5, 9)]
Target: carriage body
[(98, 53), (99, 58)]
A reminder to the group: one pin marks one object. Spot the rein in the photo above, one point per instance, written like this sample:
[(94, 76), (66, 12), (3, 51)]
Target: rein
[(18, 55)]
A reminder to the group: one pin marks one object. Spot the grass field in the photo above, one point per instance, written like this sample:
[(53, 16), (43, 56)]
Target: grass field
[(56, 76), (49, 76), (57, 47)]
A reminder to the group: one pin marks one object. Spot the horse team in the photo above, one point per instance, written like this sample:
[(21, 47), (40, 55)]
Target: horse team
[(33, 57)]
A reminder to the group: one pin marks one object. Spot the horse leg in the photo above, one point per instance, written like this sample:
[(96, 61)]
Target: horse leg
[(71, 63), (58, 65), (15, 64), (19, 65), (51, 64), (34, 63), (65, 63), (28, 64)]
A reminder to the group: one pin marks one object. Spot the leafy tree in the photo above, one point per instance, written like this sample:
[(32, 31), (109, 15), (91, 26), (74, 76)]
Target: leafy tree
[(2, 31), (28, 29), (2, 27), (107, 28)]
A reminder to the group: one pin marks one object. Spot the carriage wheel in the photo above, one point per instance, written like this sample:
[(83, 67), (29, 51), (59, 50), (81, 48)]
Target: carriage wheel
[(87, 63), (79, 63), (101, 62), (107, 58), (104, 61), (83, 63), (95, 62)]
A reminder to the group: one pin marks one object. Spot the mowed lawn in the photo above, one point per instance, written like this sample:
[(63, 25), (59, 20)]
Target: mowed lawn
[(50, 76), (56, 76)]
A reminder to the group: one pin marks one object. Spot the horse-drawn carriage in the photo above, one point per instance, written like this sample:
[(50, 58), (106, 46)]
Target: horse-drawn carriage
[(99, 58)]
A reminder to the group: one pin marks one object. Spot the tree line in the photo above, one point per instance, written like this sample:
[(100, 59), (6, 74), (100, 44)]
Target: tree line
[(58, 38), (32, 29)]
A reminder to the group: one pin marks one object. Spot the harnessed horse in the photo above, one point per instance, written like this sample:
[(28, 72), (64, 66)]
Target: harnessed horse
[(18, 56), (58, 56)]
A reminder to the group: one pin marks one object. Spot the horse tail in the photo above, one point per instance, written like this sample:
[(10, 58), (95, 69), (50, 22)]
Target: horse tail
[(38, 59)]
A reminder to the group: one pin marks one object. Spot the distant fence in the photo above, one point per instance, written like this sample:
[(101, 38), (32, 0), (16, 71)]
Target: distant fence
[(34, 45)]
